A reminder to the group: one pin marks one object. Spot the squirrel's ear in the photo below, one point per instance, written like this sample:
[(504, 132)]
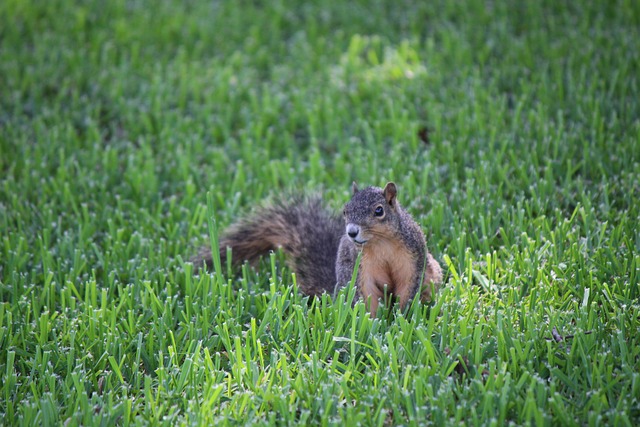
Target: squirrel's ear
[(354, 187), (390, 192)]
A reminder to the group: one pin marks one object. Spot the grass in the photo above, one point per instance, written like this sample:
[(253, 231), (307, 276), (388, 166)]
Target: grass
[(511, 128)]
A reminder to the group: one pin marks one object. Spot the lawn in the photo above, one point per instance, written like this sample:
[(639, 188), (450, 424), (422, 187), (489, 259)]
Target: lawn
[(128, 129)]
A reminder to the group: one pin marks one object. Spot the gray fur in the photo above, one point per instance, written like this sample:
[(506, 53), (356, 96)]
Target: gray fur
[(307, 233)]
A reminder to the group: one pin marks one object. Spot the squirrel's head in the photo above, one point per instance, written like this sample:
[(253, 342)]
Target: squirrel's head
[(371, 213)]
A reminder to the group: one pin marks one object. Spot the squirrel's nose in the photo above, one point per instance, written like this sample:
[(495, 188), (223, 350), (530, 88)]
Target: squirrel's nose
[(352, 230)]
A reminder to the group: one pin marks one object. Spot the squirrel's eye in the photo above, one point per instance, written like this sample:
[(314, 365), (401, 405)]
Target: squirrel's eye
[(379, 211), (344, 212)]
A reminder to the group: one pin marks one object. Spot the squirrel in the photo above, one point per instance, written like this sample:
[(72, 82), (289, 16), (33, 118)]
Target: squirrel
[(322, 248)]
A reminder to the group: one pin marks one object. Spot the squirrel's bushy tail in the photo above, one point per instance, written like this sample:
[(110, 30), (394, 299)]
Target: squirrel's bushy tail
[(308, 234)]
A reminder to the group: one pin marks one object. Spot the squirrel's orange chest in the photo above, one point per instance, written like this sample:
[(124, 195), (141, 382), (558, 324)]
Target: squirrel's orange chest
[(390, 264)]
